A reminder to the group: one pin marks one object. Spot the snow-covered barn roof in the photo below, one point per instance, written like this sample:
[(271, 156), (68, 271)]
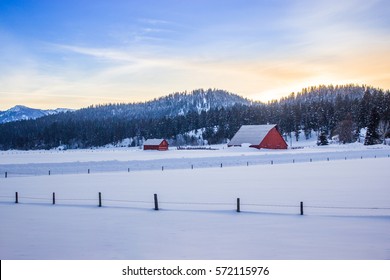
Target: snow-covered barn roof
[(153, 141), (252, 134)]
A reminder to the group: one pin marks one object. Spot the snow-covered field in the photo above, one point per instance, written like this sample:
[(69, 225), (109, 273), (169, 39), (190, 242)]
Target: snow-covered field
[(27, 163), (346, 204)]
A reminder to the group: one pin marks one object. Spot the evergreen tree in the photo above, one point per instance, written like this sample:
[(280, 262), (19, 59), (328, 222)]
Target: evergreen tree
[(372, 135), (364, 108), (345, 130), (322, 139)]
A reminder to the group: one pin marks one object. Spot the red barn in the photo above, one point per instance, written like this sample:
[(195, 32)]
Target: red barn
[(259, 136), (156, 144)]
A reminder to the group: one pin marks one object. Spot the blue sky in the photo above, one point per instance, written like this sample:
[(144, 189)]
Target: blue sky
[(77, 53)]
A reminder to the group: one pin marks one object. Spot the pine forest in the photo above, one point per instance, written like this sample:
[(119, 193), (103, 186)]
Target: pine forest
[(210, 116)]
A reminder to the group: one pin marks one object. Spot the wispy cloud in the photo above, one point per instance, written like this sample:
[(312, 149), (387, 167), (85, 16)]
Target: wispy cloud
[(264, 50), (99, 53)]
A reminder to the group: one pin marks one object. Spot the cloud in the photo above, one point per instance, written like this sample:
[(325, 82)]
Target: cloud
[(99, 53), (290, 46), (127, 76), (154, 21)]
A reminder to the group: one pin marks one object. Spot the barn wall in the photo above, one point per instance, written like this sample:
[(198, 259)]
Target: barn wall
[(162, 147), (150, 147), (273, 140)]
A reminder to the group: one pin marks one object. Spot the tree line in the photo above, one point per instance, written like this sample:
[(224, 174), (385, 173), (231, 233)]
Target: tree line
[(326, 110)]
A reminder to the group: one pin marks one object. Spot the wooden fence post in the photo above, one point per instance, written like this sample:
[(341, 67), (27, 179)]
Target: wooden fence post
[(238, 205), (162, 168), (88, 171), (128, 169), (16, 197), (301, 208), (54, 198), (247, 163), (192, 166), (6, 174), (221, 165), (272, 162), (49, 172), (100, 199), (155, 202), (310, 160)]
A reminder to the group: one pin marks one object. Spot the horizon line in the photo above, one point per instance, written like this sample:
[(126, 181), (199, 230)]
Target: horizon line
[(204, 89)]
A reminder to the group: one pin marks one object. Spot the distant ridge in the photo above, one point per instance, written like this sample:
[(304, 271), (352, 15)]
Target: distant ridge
[(20, 112)]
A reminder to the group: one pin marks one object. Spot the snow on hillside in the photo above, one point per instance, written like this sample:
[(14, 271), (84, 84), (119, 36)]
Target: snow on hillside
[(346, 203), (20, 112)]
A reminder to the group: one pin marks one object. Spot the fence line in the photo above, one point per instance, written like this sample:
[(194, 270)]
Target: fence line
[(197, 203), (156, 203), (182, 165), (37, 198), (76, 199), (128, 201), (352, 208), (268, 205)]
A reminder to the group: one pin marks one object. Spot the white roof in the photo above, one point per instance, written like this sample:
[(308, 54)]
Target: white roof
[(252, 134), (153, 141)]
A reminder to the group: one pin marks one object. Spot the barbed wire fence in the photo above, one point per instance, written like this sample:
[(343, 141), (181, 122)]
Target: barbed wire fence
[(238, 206)]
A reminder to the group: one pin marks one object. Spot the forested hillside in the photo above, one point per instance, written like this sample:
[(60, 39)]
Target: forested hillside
[(175, 104), (215, 114)]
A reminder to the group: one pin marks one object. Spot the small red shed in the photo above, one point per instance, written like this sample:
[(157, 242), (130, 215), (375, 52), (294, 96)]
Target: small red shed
[(259, 136), (156, 144)]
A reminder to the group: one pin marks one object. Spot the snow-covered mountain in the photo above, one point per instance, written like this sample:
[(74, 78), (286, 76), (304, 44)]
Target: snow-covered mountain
[(20, 112)]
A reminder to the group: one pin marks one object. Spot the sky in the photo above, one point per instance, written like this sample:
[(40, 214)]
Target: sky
[(75, 53)]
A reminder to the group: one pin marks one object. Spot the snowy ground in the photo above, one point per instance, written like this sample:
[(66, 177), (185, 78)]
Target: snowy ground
[(27, 163), (346, 205)]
